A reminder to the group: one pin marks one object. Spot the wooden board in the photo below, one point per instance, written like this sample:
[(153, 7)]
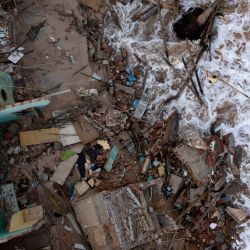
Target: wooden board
[(63, 170), (36, 137), (85, 130)]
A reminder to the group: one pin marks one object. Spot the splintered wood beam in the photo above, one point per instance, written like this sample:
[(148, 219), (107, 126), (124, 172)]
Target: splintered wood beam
[(205, 15)]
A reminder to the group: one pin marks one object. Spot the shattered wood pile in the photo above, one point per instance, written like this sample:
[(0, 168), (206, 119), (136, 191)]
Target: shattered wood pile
[(89, 151)]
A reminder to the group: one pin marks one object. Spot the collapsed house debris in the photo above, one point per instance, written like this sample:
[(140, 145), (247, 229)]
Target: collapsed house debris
[(124, 218), (91, 158)]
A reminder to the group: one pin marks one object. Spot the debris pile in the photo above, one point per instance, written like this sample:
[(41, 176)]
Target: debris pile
[(83, 160)]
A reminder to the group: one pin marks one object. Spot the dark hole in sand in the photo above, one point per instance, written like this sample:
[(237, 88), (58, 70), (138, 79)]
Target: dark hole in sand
[(186, 26)]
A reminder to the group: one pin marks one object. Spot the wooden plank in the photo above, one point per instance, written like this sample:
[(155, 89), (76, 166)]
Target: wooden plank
[(36, 137), (85, 130), (63, 170)]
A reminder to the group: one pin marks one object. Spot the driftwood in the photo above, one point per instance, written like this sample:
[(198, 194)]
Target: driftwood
[(196, 72), (162, 31), (206, 34), (201, 20)]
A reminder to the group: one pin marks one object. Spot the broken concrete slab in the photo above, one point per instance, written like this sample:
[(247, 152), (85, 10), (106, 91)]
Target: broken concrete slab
[(195, 161), (113, 213), (63, 170), (175, 182), (85, 130), (41, 136), (238, 214)]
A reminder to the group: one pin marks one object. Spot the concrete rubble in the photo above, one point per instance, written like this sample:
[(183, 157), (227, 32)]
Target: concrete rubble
[(82, 165)]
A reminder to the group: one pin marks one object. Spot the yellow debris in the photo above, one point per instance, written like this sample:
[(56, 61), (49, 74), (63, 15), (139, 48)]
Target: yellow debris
[(161, 171), (104, 144)]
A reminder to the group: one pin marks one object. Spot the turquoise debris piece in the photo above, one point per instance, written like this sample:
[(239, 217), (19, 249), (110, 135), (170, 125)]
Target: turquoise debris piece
[(11, 113), (112, 157), (150, 178)]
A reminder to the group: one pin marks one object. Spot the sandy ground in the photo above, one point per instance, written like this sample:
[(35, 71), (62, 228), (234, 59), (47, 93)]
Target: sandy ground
[(59, 50)]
